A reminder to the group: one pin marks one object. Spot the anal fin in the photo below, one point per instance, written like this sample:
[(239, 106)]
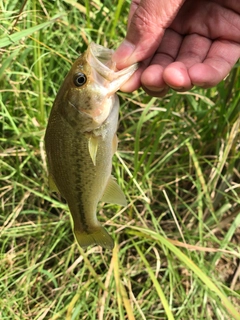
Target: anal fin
[(113, 193)]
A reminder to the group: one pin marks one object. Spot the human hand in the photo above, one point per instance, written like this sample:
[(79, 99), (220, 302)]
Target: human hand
[(180, 44)]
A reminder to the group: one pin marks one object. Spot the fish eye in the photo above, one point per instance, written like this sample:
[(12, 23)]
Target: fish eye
[(79, 79)]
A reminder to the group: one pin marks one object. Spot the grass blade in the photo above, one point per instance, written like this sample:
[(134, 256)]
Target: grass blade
[(156, 284), (17, 36), (191, 265)]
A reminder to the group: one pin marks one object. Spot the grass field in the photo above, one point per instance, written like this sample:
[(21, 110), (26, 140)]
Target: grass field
[(176, 252)]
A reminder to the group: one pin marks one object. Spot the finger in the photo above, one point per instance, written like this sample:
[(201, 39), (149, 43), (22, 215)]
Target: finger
[(134, 82), (146, 29), (151, 70), (152, 77), (194, 49), (219, 61)]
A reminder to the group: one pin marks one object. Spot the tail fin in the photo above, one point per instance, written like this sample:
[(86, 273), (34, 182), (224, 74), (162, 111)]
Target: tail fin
[(98, 236)]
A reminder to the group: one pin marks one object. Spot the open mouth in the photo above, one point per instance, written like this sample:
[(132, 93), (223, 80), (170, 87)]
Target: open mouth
[(100, 59), (102, 55)]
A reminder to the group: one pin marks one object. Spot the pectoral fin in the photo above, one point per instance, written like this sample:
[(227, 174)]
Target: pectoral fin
[(93, 147), (113, 193), (52, 185)]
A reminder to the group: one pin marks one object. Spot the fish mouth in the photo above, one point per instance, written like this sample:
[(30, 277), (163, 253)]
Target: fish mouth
[(102, 57), (104, 69)]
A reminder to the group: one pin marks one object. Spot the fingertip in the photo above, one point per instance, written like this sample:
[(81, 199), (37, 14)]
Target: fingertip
[(176, 76), (133, 83), (203, 75), (152, 77), (152, 81)]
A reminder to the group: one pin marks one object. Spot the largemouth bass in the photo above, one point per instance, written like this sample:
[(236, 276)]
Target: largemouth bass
[(81, 139)]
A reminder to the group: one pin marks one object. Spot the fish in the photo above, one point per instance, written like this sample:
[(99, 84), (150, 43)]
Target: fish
[(80, 141)]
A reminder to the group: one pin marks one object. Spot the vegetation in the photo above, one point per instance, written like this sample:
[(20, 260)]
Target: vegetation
[(177, 242)]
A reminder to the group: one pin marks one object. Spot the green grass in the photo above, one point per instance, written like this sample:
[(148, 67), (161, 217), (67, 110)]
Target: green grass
[(177, 242)]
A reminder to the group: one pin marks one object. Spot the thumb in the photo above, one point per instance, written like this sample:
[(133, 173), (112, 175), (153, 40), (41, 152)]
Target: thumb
[(148, 20)]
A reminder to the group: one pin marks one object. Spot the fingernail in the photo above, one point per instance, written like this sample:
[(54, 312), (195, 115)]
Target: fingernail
[(123, 52), (200, 84), (155, 89), (176, 88)]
